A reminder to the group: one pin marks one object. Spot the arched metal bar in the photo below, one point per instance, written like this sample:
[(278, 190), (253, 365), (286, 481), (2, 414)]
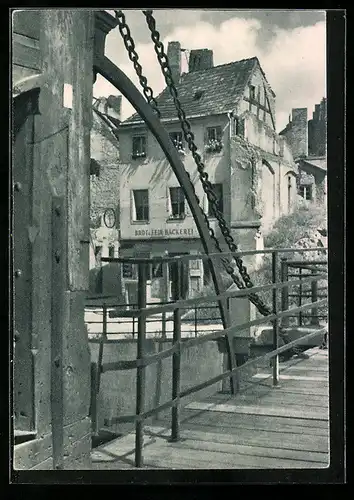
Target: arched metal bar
[(118, 79)]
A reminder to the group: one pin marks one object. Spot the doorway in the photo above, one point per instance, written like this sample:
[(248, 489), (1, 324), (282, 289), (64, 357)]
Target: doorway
[(178, 281)]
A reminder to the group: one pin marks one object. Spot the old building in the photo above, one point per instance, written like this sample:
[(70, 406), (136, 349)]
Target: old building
[(307, 140), (104, 182), (231, 108)]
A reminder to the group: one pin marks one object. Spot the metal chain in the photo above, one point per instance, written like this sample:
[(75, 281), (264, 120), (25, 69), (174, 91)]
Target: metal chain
[(133, 56), (204, 178)]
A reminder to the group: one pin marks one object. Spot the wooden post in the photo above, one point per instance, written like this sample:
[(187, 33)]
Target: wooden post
[(285, 290), (59, 284), (276, 321), (300, 296), (314, 298), (176, 359), (140, 374)]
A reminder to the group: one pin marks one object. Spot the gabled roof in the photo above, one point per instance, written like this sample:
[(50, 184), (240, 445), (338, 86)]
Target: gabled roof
[(319, 163), (206, 92)]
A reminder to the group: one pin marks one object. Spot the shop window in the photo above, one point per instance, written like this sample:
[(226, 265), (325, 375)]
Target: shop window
[(177, 203), (177, 139), (306, 192), (157, 270), (141, 205), (128, 270), (139, 146), (218, 190)]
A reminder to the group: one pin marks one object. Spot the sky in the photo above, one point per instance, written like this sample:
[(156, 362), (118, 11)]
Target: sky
[(290, 45)]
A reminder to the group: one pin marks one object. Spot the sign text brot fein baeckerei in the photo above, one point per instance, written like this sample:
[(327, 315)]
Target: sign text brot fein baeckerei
[(160, 233)]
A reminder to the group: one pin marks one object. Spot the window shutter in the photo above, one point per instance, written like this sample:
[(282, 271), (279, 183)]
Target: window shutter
[(168, 201), (132, 206)]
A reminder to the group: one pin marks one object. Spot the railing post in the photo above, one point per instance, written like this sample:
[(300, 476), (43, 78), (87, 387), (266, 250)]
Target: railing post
[(165, 296), (285, 290), (276, 320), (100, 350), (176, 360), (140, 375), (195, 321), (300, 296), (314, 298)]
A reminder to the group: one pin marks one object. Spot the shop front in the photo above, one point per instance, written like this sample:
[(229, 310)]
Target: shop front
[(163, 279)]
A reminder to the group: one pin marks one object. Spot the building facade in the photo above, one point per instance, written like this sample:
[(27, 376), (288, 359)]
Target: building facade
[(307, 140), (231, 109), (104, 180)]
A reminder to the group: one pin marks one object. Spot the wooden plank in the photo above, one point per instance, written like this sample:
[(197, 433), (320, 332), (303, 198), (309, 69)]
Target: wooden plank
[(284, 376), (59, 318), (269, 439), (79, 150), (275, 399), (265, 393), (187, 454), (253, 421), (259, 410), (211, 459), (28, 57), (235, 426), (259, 451)]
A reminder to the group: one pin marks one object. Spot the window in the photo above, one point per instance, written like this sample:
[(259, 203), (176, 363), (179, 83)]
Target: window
[(214, 134), (139, 146), (177, 203), (157, 270), (176, 138), (238, 127), (217, 188), (111, 251), (306, 192), (127, 270), (213, 140), (141, 205), (98, 251), (252, 92)]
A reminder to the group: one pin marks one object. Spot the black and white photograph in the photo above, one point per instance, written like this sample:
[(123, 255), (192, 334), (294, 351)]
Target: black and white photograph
[(171, 242)]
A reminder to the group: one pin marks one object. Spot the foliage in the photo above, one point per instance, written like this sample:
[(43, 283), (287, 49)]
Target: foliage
[(287, 231)]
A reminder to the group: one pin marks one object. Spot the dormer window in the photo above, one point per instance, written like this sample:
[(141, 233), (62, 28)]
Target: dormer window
[(139, 146), (252, 92), (198, 95)]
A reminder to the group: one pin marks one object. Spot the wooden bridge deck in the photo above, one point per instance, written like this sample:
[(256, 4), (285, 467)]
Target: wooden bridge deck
[(262, 427)]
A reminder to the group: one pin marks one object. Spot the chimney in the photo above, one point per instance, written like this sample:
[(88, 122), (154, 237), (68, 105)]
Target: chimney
[(174, 59), (299, 132), (110, 106), (200, 59)]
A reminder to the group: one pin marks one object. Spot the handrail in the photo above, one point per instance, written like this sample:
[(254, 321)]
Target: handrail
[(187, 257), (186, 303), (212, 381), (179, 344)]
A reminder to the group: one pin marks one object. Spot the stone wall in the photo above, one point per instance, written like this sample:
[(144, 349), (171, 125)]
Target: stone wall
[(118, 389)]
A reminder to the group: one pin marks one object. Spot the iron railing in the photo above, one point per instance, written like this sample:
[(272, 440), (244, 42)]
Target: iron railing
[(142, 312)]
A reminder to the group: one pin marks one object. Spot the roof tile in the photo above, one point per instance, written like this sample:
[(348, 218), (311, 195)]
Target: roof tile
[(222, 87)]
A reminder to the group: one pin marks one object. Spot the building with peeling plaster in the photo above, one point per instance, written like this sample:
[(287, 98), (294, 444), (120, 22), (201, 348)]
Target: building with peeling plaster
[(231, 109), (307, 140)]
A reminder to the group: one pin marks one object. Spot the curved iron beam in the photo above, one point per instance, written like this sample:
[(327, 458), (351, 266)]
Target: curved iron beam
[(118, 79)]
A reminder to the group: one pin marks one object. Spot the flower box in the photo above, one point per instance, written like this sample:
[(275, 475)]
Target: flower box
[(213, 146)]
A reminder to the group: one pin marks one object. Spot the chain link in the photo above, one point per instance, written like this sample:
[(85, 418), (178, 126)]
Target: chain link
[(204, 178), (133, 56)]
